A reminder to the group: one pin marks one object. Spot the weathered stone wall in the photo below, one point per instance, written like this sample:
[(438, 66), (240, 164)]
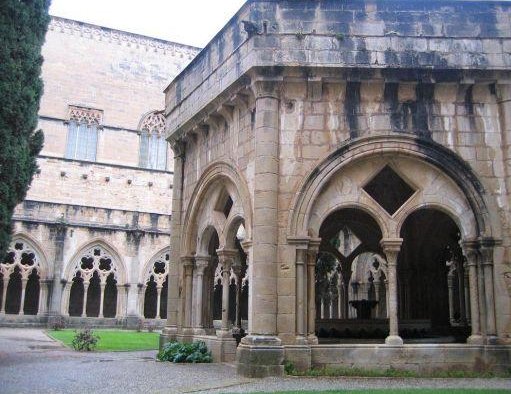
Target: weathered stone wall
[(415, 84)]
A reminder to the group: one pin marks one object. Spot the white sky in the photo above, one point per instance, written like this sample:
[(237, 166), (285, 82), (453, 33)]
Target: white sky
[(192, 22)]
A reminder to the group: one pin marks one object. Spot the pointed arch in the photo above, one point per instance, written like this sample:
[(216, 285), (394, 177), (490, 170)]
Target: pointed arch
[(162, 255), (44, 270)]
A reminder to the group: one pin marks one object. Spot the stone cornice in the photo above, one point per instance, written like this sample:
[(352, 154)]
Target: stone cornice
[(119, 37)]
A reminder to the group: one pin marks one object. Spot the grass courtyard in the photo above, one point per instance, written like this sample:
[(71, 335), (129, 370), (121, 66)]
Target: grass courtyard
[(113, 340)]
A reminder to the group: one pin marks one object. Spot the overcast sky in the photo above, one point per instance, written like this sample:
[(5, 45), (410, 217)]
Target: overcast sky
[(192, 22)]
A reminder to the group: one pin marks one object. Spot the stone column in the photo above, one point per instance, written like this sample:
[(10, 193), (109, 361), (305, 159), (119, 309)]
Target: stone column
[(312, 255), (122, 297), (262, 336), (85, 290), (65, 298), (188, 291), (4, 291), (376, 284), (59, 236), (301, 296), (130, 302), (339, 296), (23, 289), (467, 292), (469, 248), (461, 290), (486, 250), (391, 248), (43, 297), (450, 280), (225, 260), (173, 302), (141, 299), (102, 298), (238, 270), (158, 300), (201, 263)]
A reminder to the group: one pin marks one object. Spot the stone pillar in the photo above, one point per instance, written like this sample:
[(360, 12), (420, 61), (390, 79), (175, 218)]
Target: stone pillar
[(301, 296), (469, 248), (260, 352), (4, 291), (376, 284), (43, 297), (129, 304), (237, 269), (188, 291), (486, 250), (85, 290), (467, 292), (201, 263), (225, 260), (158, 300), (122, 296), (461, 290), (102, 298), (141, 299), (173, 302), (65, 298), (391, 248), (339, 296), (311, 292), (23, 289), (450, 283), (59, 236)]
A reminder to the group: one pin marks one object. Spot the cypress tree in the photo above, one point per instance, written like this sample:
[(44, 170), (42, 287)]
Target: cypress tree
[(23, 25)]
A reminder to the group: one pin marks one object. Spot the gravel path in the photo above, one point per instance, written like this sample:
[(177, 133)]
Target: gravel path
[(31, 362)]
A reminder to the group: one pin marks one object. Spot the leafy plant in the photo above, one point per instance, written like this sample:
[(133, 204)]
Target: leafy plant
[(85, 340), (58, 323), (177, 352)]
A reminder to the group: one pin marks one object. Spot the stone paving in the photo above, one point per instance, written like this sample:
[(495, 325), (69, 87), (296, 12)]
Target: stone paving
[(31, 362)]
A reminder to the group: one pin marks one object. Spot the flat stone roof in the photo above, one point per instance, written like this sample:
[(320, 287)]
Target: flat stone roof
[(443, 37)]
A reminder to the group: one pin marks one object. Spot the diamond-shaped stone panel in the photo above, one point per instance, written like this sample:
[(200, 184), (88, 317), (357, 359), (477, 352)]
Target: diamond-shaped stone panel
[(389, 190)]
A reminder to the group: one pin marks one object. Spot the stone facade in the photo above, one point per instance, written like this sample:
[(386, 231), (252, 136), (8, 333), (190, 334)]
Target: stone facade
[(348, 161), (95, 224)]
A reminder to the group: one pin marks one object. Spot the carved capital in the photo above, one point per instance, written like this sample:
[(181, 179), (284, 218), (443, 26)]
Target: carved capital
[(391, 248), (178, 147), (201, 263), (266, 87)]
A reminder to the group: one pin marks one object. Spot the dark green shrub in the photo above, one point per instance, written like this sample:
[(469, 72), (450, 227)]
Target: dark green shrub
[(177, 352), (85, 340)]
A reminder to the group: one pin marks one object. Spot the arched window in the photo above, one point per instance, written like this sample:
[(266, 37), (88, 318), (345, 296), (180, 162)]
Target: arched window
[(21, 271), (82, 136), (156, 287), (153, 147)]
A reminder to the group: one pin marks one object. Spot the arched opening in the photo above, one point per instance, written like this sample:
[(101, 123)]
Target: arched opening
[(93, 296), (156, 288), (349, 278), (213, 278), (110, 299), (76, 296), (32, 294), (432, 279), (13, 298)]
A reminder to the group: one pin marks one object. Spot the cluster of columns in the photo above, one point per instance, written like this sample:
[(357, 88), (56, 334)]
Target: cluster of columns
[(198, 287), (457, 277), (43, 295)]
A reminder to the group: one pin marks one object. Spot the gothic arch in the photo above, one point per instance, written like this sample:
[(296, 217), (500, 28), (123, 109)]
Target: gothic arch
[(121, 273), (44, 270), (226, 175), (146, 272), (429, 152)]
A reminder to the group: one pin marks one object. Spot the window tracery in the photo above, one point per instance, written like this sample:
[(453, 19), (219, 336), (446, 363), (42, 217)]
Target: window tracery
[(96, 260), (153, 146), (158, 271), (21, 256)]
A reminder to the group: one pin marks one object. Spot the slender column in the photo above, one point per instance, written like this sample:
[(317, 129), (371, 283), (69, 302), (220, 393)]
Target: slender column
[(102, 298), (4, 292), (450, 280), (141, 299), (386, 282), (201, 263), (301, 294), (376, 284), (59, 236), (225, 260), (461, 291), (65, 298), (85, 290), (238, 269), (188, 273), (486, 250), (322, 310), (391, 248), (471, 254), (158, 300), (173, 299), (43, 297), (22, 302), (122, 297), (339, 297), (311, 292), (467, 292)]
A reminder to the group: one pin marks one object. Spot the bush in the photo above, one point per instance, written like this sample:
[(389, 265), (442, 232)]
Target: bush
[(177, 352), (58, 323), (85, 340)]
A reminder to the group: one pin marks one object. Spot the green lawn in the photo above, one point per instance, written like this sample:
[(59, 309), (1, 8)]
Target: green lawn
[(113, 340)]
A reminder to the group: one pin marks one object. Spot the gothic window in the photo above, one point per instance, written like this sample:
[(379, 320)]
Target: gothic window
[(21, 271), (155, 295), (93, 291), (82, 134), (153, 146)]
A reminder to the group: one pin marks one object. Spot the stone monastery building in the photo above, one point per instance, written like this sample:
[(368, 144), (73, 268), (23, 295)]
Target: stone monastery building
[(91, 240), (340, 179)]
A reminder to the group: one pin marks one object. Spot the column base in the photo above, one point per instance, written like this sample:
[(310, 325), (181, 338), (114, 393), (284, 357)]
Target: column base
[(259, 356), (491, 340), (169, 333), (393, 340), (312, 340), (475, 340), (133, 322)]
